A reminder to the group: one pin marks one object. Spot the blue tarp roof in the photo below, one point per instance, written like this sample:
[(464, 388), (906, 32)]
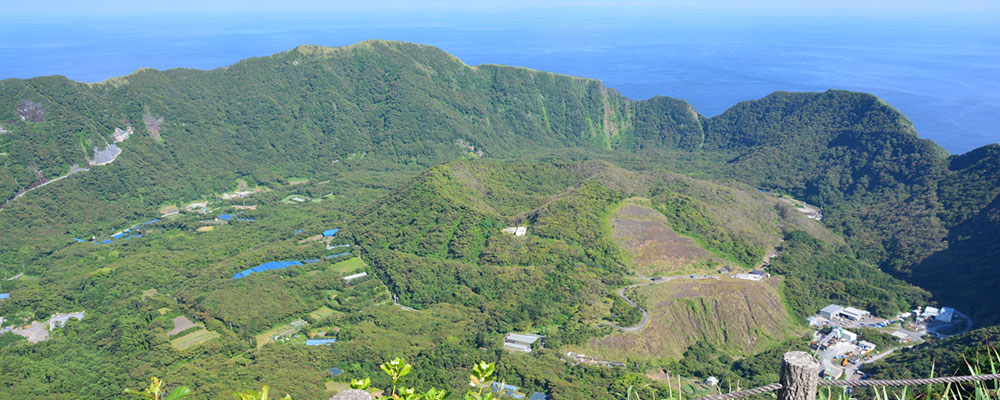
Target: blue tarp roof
[(539, 396), (78, 240), (267, 266), (152, 221), (335, 371), (330, 232), (4, 295), (245, 219), (118, 235), (298, 231), (225, 217), (106, 241), (319, 342), (316, 260)]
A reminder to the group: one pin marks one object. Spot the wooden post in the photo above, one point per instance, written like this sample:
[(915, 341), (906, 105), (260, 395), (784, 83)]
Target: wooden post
[(799, 376)]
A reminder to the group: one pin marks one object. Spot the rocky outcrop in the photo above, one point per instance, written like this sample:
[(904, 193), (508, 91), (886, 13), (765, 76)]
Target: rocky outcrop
[(120, 135), (30, 111), (153, 125)]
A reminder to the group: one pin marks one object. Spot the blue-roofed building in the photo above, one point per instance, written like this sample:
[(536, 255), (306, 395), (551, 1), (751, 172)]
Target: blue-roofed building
[(503, 388), (4, 296), (331, 232), (320, 342), (334, 371), (225, 217), (539, 396)]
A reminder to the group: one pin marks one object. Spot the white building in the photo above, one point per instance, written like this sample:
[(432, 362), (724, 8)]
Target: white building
[(848, 336), (522, 341), (749, 277), (854, 313), (830, 311), (946, 314), (900, 335), (814, 321), (866, 346), (930, 312), (712, 381)]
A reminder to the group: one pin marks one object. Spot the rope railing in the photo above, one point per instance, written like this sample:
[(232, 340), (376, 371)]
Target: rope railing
[(909, 382), (794, 375)]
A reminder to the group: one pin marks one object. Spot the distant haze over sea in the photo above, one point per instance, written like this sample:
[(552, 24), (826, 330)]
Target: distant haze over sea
[(943, 72)]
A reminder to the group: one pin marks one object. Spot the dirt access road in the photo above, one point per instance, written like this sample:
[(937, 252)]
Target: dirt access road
[(651, 281)]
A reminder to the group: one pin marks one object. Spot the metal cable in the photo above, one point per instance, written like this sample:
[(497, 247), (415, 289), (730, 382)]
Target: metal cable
[(857, 383)]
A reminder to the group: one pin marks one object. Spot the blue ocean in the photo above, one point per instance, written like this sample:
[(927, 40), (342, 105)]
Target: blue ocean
[(942, 71)]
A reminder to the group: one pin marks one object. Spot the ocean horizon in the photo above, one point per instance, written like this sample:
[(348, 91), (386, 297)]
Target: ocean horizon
[(942, 72)]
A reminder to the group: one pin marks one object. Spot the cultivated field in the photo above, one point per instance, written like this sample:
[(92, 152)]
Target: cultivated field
[(194, 338), (322, 312)]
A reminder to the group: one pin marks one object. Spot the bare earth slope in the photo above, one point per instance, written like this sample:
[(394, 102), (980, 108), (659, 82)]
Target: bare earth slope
[(733, 314)]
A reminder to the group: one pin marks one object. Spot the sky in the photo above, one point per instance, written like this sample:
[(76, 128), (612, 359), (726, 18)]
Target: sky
[(50, 7)]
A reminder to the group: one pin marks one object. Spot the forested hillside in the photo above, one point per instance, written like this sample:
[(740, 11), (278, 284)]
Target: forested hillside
[(394, 108)]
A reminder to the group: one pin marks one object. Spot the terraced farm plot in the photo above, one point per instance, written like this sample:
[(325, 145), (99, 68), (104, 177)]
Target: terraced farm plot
[(194, 338), (181, 324), (734, 315), (321, 313), (654, 247)]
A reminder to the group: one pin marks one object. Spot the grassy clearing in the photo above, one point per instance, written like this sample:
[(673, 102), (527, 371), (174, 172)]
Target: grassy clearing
[(337, 387), (348, 266), (321, 313), (192, 339)]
